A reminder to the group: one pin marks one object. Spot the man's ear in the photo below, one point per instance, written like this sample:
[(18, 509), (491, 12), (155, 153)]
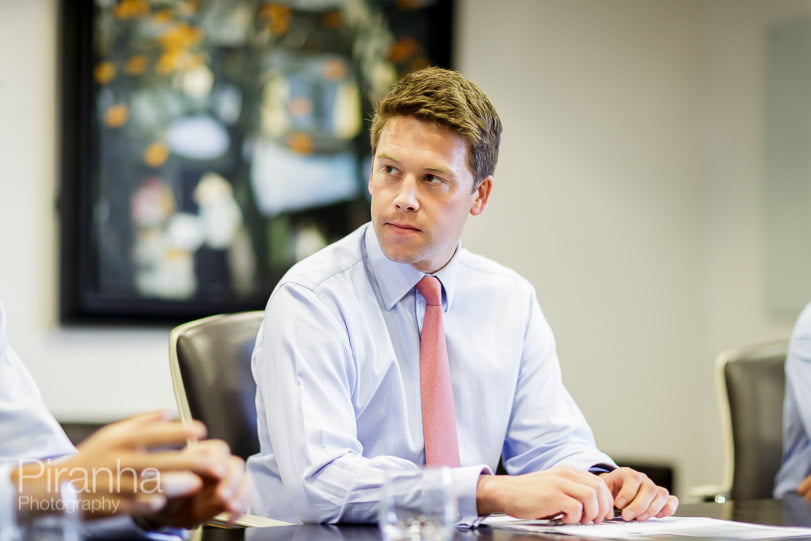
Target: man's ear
[(481, 196)]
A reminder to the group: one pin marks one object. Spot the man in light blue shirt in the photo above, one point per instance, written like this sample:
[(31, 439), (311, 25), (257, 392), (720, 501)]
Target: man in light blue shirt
[(337, 359), (795, 473), (193, 484)]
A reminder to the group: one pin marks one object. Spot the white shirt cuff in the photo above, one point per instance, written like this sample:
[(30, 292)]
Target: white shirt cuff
[(9, 529), (465, 483)]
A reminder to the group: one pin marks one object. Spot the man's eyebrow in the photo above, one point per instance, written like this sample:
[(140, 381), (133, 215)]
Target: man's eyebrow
[(385, 156), (441, 170)]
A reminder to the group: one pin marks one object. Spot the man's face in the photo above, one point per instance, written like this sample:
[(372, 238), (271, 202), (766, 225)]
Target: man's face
[(422, 192)]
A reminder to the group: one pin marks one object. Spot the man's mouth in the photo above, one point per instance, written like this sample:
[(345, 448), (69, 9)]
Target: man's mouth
[(403, 227)]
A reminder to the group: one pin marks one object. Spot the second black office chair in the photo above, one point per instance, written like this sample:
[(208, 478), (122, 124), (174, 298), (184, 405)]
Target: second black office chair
[(751, 389)]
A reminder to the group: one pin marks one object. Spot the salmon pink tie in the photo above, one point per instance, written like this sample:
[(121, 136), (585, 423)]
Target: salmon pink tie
[(438, 411)]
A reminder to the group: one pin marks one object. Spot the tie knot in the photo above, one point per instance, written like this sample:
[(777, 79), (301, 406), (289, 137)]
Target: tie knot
[(431, 290)]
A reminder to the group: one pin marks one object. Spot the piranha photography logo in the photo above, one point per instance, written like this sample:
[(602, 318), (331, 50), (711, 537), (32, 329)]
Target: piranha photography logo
[(47, 487)]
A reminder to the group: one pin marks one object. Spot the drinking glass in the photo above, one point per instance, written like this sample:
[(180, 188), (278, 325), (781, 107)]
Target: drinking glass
[(52, 519), (418, 505)]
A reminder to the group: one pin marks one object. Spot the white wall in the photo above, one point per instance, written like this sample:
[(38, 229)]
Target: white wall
[(596, 200), (735, 309), (627, 191)]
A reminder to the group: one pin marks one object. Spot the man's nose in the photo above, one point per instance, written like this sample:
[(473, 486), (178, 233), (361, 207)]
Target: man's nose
[(406, 198)]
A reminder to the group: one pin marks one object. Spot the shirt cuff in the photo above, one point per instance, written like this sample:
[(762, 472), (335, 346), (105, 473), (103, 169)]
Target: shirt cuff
[(465, 483), (602, 467), (9, 528)]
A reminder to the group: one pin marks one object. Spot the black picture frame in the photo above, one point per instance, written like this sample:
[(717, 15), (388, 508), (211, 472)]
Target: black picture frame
[(118, 203)]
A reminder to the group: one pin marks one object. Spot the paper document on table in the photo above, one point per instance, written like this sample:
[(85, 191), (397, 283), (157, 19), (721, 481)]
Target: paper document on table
[(245, 521), (686, 526)]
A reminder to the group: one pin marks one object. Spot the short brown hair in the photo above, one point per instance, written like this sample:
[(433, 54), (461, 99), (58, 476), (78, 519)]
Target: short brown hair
[(452, 101)]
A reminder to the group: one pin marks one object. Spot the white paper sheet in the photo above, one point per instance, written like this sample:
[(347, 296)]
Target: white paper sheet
[(245, 521), (686, 526)]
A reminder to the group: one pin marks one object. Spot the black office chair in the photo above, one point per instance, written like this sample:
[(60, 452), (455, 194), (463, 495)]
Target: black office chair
[(211, 375), (751, 388)]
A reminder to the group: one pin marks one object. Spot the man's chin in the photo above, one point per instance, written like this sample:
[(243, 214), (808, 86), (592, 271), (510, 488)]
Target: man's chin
[(398, 256)]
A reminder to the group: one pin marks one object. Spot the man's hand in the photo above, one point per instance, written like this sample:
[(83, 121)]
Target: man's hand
[(134, 467), (576, 496), (229, 492), (805, 488), (637, 496)]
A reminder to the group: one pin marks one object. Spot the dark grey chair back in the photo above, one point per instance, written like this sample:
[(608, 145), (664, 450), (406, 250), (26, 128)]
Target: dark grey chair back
[(211, 374), (753, 385)]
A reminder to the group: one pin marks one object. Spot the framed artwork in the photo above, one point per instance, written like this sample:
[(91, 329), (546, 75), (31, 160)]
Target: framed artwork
[(208, 145)]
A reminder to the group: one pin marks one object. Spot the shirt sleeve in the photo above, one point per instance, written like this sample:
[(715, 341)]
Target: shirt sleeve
[(546, 427), (796, 465), (798, 368), (305, 372), (29, 430)]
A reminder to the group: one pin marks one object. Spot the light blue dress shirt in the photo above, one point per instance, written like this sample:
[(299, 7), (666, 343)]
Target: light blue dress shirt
[(797, 410), (28, 431), (338, 390)]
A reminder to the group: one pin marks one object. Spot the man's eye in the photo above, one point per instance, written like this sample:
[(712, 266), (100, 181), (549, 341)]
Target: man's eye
[(433, 179), (389, 169)]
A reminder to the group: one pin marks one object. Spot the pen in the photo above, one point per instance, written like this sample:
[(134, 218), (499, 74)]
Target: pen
[(558, 520)]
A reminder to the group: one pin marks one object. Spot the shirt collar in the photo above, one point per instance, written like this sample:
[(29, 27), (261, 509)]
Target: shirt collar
[(396, 280)]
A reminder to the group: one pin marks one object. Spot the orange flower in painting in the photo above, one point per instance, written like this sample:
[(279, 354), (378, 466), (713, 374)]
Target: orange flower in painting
[(179, 60), (409, 5), (420, 63), (300, 106), (195, 61), (181, 36), (162, 16), (333, 19), (278, 16), (131, 9), (168, 62), (116, 115), (300, 143), (334, 70), (403, 49), (187, 8), (136, 65), (156, 154), (104, 72)]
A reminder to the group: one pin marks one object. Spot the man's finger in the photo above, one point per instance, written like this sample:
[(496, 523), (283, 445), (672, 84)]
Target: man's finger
[(176, 484), (200, 462), (635, 510), (655, 506), (670, 507), (805, 486)]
